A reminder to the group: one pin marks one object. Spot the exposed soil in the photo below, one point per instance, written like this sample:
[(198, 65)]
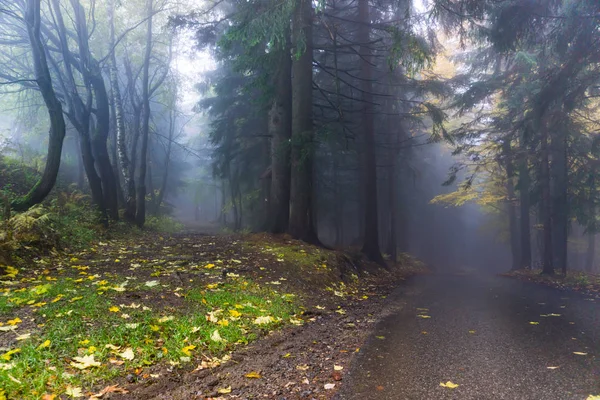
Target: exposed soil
[(296, 363)]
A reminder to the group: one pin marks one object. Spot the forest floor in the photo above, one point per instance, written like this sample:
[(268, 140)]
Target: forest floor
[(188, 316), (577, 281)]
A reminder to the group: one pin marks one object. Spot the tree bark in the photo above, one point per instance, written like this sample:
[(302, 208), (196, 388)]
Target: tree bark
[(302, 124), (99, 145), (130, 185), (125, 163), (57, 123), (93, 178), (560, 207), (524, 200), (280, 127), (140, 216), (371, 234), (114, 153), (510, 205), (546, 204)]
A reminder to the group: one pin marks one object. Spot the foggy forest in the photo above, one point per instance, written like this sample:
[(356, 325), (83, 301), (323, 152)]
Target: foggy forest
[(293, 199)]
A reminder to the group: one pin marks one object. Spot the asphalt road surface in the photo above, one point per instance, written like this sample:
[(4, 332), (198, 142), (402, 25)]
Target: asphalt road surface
[(480, 336)]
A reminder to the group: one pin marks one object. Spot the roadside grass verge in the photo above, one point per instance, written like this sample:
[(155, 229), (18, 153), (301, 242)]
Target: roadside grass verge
[(65, 335), (134, 308), (575, 280)]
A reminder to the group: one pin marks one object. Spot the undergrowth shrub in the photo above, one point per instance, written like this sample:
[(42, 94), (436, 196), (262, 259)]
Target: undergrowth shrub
[(65, 222), (75, 219), (163, 223)]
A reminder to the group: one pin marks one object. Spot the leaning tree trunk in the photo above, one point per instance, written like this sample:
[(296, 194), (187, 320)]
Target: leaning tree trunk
[(140, 216), (371, 234), (302, 124), (99, 144), (280, 129), (57, 123)]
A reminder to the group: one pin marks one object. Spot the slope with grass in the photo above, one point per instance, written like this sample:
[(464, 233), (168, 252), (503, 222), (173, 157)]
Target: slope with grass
[(129, 312)]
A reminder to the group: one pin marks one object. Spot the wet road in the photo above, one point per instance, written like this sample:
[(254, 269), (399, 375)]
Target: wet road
[(480, 337)]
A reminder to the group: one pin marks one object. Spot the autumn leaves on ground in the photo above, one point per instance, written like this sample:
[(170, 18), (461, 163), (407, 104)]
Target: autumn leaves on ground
[(126, 313)]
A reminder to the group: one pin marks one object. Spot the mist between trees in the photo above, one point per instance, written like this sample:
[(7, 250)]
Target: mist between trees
[(464, 132)]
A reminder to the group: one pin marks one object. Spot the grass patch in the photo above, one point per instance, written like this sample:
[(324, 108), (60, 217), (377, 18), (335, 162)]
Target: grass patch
[(75, 332), (164, 224)]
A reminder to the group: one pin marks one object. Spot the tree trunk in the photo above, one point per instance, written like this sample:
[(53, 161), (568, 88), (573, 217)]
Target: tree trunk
[(510, 205), (524, 197), (371, 234), (114, 153), (80, 167), (93, 178), (302, 123), (140, 216), (122, 158), (560, 211), (57, 123), (99, 144), (129, 165), (338, 201), (546, 204), (280, 131)]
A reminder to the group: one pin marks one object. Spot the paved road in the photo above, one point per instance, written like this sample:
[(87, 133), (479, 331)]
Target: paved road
[(505, 358)]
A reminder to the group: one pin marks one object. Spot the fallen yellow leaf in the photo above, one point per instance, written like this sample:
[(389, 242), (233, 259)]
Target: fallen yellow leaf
[(127, 354), (114, 309), (579, 353), (8, 355), (224, 390), (85, 362), (253, 375), (449, 385), (187, 350), (44, 345), (74, 392), (534, 323)]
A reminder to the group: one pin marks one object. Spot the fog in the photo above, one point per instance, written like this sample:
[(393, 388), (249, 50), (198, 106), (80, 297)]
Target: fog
[(378, 127)]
